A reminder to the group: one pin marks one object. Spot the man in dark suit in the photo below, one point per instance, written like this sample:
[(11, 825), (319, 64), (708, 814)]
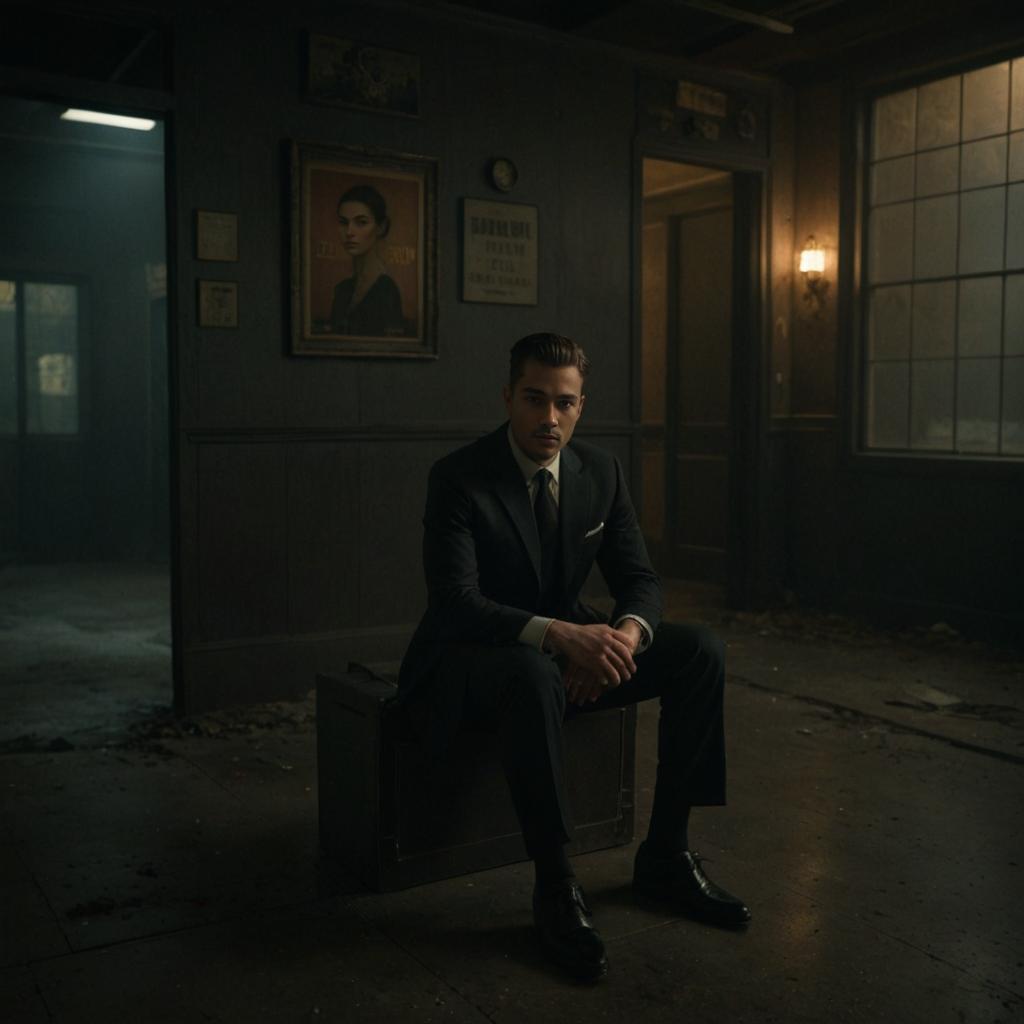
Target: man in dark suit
[(513, 524)]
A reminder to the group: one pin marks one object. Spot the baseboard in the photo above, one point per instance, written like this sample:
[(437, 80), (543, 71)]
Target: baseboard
[(260, 669)]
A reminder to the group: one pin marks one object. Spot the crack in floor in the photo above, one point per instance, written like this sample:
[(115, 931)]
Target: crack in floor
[(867, 716)]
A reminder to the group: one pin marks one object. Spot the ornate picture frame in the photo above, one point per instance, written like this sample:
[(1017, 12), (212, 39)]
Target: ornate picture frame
[(363, 252)]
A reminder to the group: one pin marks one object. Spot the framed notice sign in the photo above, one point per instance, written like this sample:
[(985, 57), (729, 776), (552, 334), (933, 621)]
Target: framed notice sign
[(499, 252), (216, 236), (218, 303)]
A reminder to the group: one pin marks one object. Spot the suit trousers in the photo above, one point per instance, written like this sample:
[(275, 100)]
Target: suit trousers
[(516, 692)]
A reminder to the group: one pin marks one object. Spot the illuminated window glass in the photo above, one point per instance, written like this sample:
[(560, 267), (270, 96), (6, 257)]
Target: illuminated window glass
[(944, 293), (51, 358)]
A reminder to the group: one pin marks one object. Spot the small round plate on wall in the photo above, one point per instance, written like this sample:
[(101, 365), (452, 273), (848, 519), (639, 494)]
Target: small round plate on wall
[(503, 174)]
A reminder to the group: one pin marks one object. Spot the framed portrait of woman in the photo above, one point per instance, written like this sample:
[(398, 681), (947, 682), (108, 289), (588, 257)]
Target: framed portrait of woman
[(363, 252)]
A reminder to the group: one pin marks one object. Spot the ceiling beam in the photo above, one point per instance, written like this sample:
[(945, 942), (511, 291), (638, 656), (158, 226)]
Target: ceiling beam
[(731, 13)]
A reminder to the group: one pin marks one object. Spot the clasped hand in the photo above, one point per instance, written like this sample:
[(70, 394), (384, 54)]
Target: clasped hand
[(597, 658)]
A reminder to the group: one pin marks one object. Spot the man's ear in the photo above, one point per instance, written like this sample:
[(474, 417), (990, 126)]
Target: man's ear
[(506, 394), (583, 400)]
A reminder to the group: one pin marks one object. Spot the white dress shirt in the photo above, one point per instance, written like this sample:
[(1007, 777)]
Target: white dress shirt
[(535, 630)]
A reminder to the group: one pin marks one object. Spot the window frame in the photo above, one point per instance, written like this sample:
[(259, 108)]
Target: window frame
[(20, 279), (854, 194)]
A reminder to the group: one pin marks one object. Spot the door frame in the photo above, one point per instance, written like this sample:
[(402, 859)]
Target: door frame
[(750, 357)]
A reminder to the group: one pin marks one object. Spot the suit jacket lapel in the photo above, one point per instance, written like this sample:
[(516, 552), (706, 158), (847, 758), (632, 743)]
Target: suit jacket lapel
[(511, 489), (573, 506)]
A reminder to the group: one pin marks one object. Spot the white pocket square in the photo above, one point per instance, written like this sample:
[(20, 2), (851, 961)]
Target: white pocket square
[(596, 529)]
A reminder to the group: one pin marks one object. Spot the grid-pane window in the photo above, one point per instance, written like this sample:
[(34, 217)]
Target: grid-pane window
[(944, 266)]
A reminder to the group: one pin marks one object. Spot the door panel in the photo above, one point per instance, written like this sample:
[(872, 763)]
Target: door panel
[(654, 326), (700, 406), (686, 362)]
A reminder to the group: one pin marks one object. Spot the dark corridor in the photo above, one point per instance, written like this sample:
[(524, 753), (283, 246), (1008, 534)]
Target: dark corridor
[(84, 422)]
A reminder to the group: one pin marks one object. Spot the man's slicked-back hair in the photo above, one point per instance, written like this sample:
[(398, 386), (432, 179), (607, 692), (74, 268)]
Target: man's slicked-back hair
[(549, 349)]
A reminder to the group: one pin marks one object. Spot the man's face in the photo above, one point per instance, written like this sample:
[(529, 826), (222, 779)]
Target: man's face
[(543, 408)]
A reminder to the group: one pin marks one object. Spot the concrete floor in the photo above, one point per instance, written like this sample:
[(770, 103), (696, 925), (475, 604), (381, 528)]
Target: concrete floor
[(153, 870), (85, 650)]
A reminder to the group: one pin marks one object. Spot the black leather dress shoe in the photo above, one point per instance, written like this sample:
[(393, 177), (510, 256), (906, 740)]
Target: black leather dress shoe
[(562, 917), (681, 884)]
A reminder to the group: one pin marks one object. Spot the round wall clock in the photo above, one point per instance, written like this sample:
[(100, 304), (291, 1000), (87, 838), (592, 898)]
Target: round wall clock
[(503, 174)]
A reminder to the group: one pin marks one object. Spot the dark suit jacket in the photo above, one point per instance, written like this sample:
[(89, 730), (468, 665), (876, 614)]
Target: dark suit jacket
[(481, 556)]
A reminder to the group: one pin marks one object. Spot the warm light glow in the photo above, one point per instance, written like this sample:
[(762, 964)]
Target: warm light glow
[(139, 124), (812, 259)]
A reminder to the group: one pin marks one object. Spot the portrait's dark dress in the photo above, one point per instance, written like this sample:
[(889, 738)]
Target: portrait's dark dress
[(380, 312)]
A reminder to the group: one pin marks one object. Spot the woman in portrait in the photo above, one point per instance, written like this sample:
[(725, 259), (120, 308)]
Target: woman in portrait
[(368, 302)]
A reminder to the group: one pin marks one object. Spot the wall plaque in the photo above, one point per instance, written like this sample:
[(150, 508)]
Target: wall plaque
[(701, 98), (727, 120), (216, 236), (218, 303)]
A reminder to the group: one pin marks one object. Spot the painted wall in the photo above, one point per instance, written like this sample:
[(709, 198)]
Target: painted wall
[(303, 479)]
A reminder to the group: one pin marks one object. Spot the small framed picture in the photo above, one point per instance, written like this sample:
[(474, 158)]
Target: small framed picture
[(345, 73), (499, 252), (363, 252), (216, 236), (218, 303)]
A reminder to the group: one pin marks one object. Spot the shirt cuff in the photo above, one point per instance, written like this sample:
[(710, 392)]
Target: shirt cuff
[(646, 633), (534, 631)]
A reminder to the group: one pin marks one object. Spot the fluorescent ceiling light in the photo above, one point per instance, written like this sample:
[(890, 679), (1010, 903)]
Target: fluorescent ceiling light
[(139, 124)]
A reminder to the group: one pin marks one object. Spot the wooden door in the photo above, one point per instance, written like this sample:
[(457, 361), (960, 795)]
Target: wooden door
[(698, 398), (687, 331)]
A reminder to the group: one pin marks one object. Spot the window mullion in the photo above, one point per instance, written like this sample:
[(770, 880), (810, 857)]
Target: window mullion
[(956, 300), (20, 367), (1002, 291)]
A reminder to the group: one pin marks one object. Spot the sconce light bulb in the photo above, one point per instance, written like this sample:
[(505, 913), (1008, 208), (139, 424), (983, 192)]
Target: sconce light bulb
[(812, 261)]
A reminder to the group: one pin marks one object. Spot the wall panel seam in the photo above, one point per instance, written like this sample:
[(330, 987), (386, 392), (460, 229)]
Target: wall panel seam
[(411, 432)]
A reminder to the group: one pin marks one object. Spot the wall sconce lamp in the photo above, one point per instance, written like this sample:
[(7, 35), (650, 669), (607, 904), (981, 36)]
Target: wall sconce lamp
[(812, 266)]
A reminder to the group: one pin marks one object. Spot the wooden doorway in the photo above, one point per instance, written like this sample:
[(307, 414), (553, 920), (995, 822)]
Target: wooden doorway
[(691, 256)]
